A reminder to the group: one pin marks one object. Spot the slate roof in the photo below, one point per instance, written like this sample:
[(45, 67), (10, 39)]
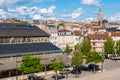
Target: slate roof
[(53, 26), (21, 30), (7, 49)]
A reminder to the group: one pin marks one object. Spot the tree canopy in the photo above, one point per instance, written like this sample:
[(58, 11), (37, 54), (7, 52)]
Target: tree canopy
[(31, 64), (77, 58), (67, 49), (109, 46), (94, 57), (117, 47), (85, 46)]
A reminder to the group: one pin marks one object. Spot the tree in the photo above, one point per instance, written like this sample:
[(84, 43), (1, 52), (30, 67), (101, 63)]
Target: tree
[(31, 64), (85, 46), (23, 22), (67, 49), (117, 47), (57, 64), (109, 46), (77, 58), (94, 57)]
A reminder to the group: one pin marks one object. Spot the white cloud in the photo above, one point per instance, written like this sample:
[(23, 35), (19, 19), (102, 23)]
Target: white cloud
[(38, 17), (91, 2), (115, 17), (89, 19), (74, 15), (28, 12)]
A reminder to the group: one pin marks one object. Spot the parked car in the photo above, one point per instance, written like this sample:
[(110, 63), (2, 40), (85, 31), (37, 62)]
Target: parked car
[(91, 67), (34, 77), (83, 68), (74, 71), (65, 71), (58, 77)]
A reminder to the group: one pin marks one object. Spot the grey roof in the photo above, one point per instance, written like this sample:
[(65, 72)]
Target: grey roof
[(113, 29), (21, 30), (20, 49)]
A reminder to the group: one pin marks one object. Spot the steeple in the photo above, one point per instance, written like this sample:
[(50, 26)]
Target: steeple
[(100, 16)]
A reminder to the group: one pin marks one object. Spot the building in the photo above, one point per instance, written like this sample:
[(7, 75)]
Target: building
[(115, 35), (65, 37), (17, 40), (97, 41), (78, 37), (52, 30), (100, 16)]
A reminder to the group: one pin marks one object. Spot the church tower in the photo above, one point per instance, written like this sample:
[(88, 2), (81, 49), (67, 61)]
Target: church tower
[(100, 16)]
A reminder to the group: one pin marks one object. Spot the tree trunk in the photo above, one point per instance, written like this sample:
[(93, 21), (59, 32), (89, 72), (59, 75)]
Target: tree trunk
[(94, 69), (101, 66), (77, 72), (56, 76)]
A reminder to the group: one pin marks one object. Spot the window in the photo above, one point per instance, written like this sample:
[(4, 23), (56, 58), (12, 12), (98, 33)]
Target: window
[(94, 43)]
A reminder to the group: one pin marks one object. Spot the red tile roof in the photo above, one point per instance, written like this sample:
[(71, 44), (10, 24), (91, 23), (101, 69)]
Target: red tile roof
[(98, 35), (114, 23), (115, 33), (77, 33)]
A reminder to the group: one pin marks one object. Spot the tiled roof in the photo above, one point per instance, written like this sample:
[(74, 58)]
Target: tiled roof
[(21, 30), (115, 33), (100, 28), (114, 23), (13, 49), (77, 33), (98, 35)]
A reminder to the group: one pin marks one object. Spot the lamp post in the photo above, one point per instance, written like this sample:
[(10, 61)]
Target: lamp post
[(45, 69), (16, 69)]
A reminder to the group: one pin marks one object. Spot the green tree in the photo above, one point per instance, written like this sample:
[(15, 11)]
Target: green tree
[(67, 49), (109, 46), (94, 57), (31, 64), (57, 64), (77, 58), (117, 46), (85, 46), (23, 22)]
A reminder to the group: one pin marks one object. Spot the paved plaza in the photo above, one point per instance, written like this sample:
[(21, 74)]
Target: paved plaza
[(111, 72), (111, 67)]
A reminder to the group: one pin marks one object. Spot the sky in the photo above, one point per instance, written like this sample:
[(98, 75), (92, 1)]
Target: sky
[(66, 10)]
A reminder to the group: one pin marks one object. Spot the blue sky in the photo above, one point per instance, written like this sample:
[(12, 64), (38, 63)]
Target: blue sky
[(68, 10)]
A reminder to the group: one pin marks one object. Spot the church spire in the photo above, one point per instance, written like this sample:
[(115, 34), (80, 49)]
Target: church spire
[(100, 16)]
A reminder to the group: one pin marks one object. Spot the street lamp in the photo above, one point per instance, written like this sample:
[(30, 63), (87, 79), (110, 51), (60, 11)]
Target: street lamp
[(45, 69), (16, 69)]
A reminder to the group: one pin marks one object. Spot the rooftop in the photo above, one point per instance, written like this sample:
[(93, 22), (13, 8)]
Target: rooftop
[(98, 35), (16, 49), (21, 30)]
